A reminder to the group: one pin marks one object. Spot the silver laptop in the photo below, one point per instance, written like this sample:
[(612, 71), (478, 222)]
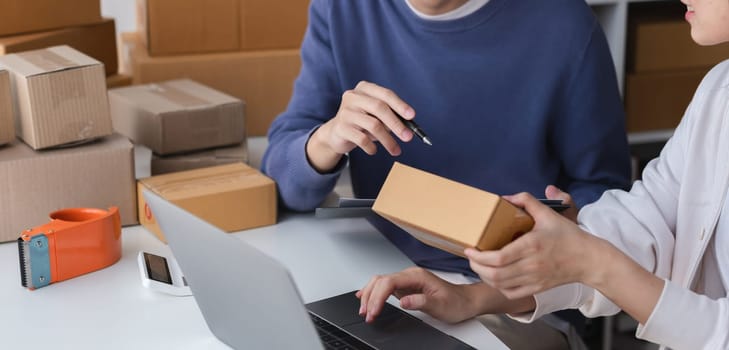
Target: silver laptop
[(249, 300)]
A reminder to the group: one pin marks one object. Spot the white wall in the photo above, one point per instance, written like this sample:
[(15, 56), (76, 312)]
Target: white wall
[(123, 12)]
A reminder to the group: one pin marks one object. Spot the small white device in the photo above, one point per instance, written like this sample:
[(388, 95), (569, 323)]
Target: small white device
[(162, 274)]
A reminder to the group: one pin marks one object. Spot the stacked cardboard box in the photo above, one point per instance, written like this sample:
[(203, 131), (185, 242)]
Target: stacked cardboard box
[(68, 159), (59, 96), (36, 24), (232, 197), (99, 174), (179, 116), (664, 65), (245, 48), (7, 130), (201, 159)]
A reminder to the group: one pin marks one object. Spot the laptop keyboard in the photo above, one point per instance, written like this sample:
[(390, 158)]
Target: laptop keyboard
[(334, 338)]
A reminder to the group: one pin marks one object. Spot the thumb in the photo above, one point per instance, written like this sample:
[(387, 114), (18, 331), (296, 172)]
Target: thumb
[(525, 200), (553, 192), (413, 302)]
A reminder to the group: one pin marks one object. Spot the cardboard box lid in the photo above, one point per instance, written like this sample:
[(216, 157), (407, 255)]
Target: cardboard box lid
[(44, 61), (204, 181), (173, 95)]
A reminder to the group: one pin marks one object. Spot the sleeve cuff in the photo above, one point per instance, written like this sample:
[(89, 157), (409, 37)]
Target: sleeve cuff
[(682, 319), (301, 168), (568, 296)]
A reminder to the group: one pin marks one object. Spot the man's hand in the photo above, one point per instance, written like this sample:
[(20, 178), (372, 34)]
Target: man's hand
[(365, 116), (552, 192)]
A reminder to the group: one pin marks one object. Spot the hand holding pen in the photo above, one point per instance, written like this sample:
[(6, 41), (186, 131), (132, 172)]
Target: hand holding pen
[(415, 129), (368, 114)]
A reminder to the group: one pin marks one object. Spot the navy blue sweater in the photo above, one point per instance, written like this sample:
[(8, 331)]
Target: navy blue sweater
[(518, 95)]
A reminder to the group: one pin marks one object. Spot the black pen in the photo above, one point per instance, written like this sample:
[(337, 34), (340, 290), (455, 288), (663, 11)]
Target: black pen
[(415, 128)]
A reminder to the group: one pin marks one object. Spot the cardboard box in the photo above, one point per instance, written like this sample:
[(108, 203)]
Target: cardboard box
[(22, 16), (263, 79), (7, 130), (59, 96), (272, 24), (659, 38), (447, 214), (218, 156), (99, 174), (232, 197), (172, 27), (97, 40), (177, 116), (118, 80), (658, 100)]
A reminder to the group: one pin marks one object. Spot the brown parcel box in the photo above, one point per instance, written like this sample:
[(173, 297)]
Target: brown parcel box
[(447, 214), (118, 80), (7, 130), (170, 27), (263, 79), (659, 38), (59, 96), (97, 40), (272, 24), (99, 175), (177, 116), (22, 16), (658, 100), (232, 197), (196, 160)]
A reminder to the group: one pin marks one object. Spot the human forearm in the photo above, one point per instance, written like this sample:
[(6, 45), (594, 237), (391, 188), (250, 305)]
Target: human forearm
[(488, 300), (631, 287)]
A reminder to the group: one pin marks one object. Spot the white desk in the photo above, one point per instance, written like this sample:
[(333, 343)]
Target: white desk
[(109, 309)]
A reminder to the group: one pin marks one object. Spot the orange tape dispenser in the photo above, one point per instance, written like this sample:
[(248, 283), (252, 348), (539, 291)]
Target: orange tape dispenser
[(76, 241)]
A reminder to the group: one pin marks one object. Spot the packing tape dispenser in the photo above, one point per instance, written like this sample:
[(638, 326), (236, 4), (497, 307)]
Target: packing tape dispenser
[(76, 241)]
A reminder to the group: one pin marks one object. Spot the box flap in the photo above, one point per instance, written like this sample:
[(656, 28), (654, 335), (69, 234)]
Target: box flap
[(52, 59), (193, 183), (173, 95)]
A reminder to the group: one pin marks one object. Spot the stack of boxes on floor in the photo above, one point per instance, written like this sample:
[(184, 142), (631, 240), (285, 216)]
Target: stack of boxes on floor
[(248, 49), (664, 66), (36, 24), (68, 157)]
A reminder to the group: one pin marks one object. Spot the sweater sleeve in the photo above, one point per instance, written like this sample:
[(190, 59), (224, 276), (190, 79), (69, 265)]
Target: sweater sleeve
[(315, 100), (589, 129)]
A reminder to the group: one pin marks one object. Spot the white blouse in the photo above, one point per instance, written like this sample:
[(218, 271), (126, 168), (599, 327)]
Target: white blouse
[(674, 223)]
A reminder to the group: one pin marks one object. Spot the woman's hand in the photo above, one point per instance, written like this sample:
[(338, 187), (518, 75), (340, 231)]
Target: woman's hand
[(555, 252), (418, 289), (365, 116)]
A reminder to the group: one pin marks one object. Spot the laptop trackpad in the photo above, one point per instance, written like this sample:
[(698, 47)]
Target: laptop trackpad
[(392, 329), (403, 331)]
